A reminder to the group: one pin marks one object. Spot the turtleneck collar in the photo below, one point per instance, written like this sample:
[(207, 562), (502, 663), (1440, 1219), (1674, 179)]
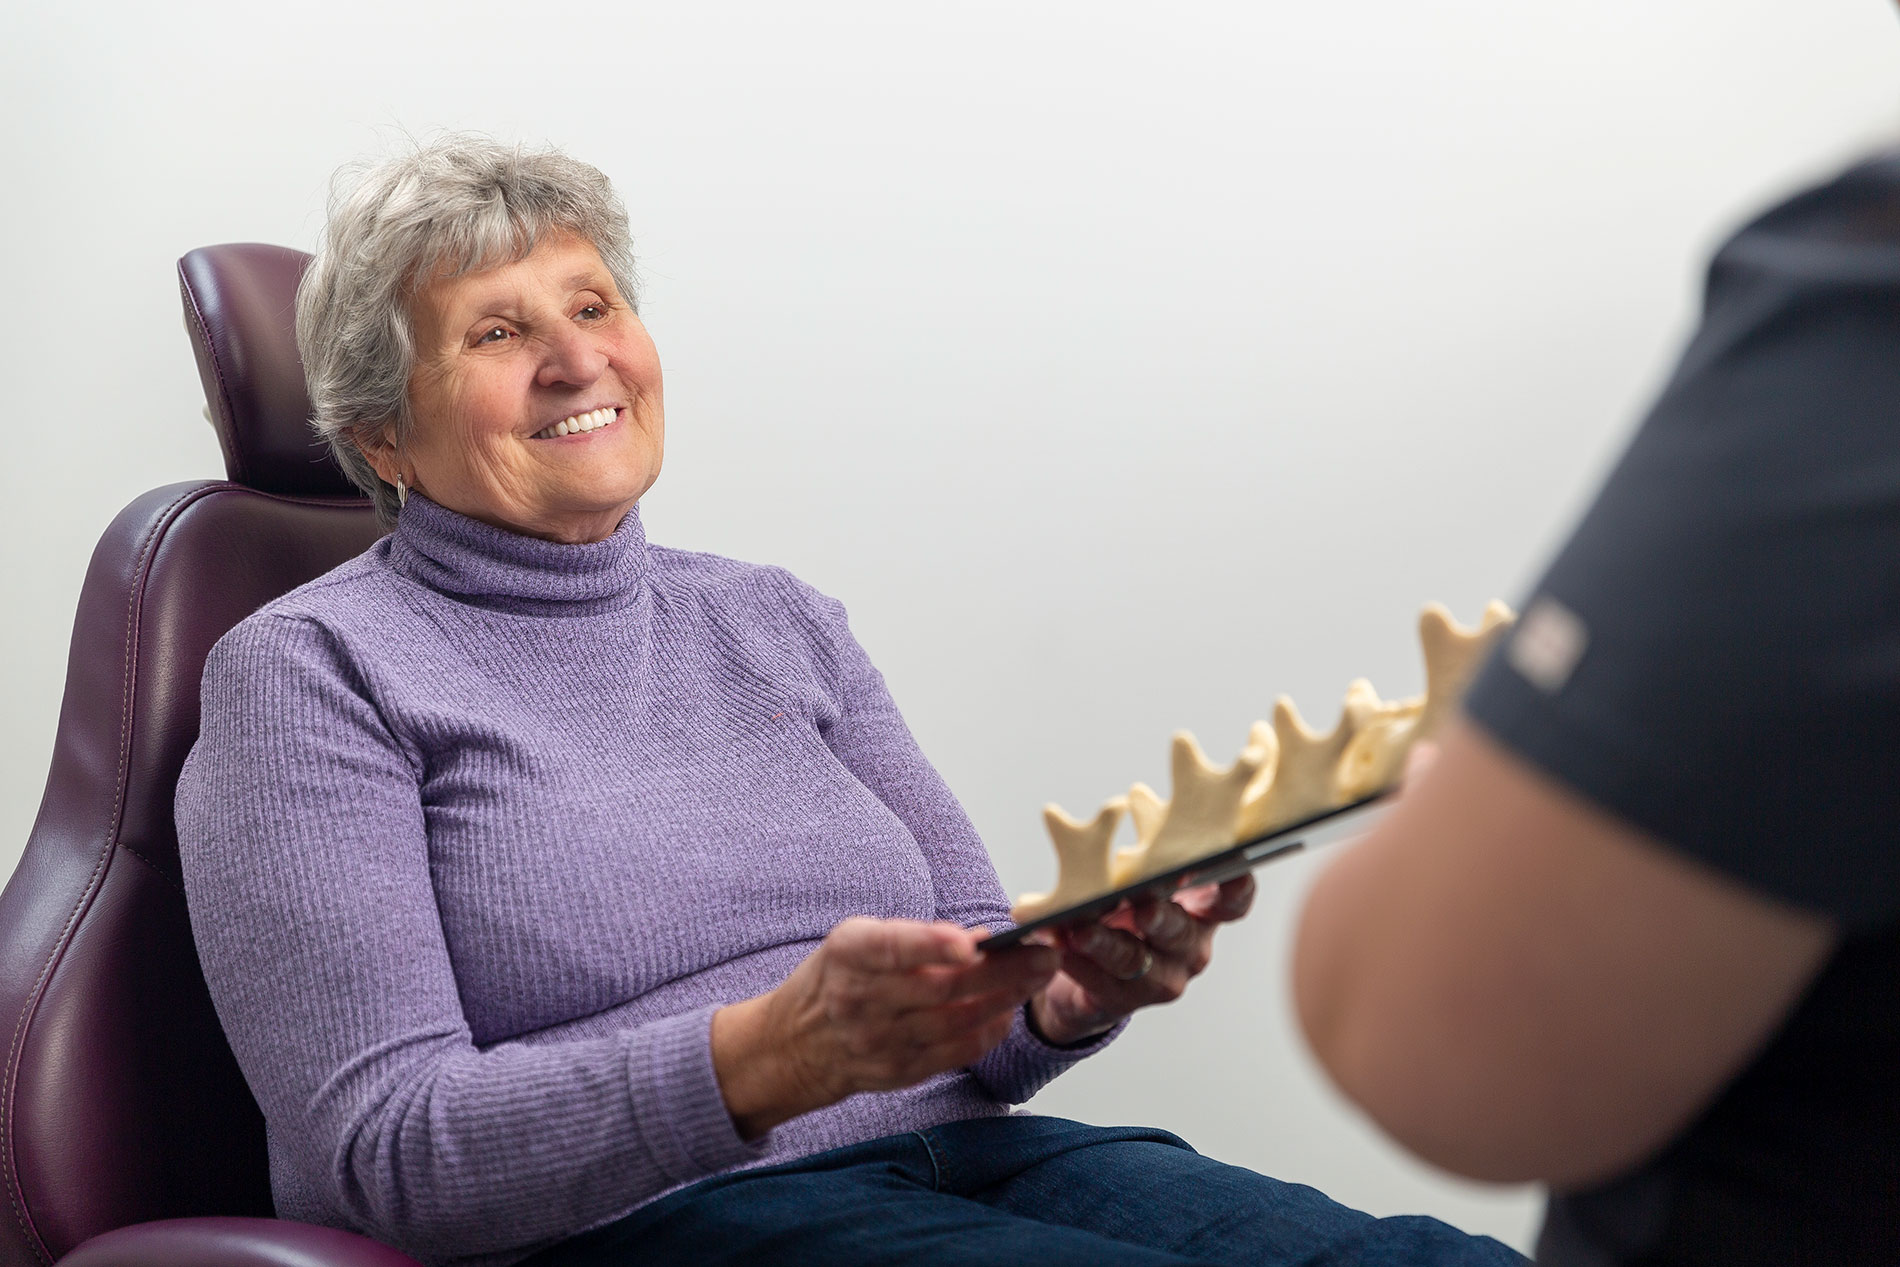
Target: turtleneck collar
[(491, 567)]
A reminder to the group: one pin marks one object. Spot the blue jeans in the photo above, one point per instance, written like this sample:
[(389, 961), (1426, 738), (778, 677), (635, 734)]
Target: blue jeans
[(1004, 1190)]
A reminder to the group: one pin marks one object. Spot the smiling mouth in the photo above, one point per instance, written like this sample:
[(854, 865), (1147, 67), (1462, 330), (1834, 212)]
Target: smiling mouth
[(593, 420)]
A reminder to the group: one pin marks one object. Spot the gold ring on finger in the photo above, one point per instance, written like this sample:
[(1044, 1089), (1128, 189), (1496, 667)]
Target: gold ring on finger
[(1147, 963)]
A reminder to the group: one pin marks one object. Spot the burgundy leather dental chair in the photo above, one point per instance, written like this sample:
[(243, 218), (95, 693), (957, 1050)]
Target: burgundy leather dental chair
[(124, 1122)]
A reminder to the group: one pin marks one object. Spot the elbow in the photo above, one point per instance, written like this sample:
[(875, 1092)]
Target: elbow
[(1322, 1009), (1431, 1117), (1328, 986), (406, 1216), (1344, 1034), (1417, 1080), (1494, 1144), (394, 1177), (1457, 1102), (1353, 1037)]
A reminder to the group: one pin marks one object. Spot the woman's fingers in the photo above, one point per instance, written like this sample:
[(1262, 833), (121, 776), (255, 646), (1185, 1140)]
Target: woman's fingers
[(929, 964), (928, 1028), (880, 1004), (1136, 956), (1219, 903), (1167, 928), (903, 1047), (1148, 952), (896, 1001), (1133, 963), (950, 1044), (1019, 971), (887, 946), (1122, 972)]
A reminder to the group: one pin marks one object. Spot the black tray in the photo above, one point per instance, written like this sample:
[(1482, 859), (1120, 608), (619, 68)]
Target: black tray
[(1321, 829)]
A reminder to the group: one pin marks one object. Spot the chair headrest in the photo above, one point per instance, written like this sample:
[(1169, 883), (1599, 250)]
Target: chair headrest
[(241, 312)]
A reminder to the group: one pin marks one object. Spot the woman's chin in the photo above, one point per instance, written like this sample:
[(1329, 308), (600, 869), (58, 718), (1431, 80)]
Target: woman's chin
[(582, 524)]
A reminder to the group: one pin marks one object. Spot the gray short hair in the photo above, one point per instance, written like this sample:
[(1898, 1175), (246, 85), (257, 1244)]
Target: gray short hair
[(458, 204)]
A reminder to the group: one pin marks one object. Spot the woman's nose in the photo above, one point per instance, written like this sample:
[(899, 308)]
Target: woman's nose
[(571, 357)]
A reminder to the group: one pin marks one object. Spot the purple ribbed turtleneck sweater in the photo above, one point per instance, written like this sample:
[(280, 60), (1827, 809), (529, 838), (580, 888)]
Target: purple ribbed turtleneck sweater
[(481, 829)]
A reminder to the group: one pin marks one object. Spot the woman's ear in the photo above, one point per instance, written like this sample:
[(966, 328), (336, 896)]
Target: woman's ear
[(373, 442)]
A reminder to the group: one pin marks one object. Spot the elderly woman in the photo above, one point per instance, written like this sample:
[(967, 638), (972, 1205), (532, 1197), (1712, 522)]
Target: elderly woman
[(572, 897)]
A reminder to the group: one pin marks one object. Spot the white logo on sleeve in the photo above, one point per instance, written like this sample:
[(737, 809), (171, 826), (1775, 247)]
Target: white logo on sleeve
[(1547, 644)]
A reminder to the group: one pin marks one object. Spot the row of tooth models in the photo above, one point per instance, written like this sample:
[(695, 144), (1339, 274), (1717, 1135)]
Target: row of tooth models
[(1287, 772)]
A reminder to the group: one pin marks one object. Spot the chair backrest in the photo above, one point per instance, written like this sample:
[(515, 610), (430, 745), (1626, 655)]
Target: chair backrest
[(119, 1099)]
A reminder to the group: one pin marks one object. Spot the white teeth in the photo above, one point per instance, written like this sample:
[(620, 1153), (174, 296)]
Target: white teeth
[(591, 421)]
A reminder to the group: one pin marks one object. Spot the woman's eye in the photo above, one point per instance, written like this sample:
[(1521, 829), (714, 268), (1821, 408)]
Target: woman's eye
[(592, 312), (495, 335)]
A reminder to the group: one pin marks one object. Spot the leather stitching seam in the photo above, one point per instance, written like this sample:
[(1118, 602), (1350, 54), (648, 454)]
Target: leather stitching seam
[(15, 1193), (157, 870)]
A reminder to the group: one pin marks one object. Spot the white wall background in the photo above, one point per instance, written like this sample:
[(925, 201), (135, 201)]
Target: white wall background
[(1119, 365)]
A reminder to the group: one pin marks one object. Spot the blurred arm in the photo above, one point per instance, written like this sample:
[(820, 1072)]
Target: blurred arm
[(1518, 986)]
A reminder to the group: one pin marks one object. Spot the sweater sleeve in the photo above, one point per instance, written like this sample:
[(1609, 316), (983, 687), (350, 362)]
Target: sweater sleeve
[(302, 834), (869, 737)]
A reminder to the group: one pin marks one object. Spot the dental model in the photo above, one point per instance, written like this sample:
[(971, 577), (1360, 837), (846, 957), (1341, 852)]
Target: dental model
[(1286, 772)]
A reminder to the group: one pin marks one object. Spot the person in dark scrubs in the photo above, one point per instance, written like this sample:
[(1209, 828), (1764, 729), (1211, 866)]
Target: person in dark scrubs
[(1635, 932)]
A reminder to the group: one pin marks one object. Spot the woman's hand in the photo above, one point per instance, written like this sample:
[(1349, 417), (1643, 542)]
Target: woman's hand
[(1146, 953), (1134, 957), (880, 1004)]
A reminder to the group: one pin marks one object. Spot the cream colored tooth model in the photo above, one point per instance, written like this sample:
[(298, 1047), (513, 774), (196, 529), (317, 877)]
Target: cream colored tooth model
[(1286, 772)]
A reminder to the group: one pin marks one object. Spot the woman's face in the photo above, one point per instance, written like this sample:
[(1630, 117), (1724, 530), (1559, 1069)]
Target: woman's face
[(504, 358)]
